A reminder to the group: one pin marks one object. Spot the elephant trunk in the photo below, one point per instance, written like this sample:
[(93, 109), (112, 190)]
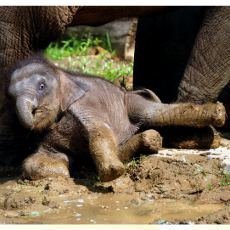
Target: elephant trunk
[(187, 114), (25, 108)]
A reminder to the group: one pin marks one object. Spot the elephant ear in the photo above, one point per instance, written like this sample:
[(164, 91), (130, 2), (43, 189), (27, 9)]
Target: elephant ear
[(71, 91)]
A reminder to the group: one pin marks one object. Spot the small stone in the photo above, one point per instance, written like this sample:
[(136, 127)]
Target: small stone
[(80, 201), (35, 213), (47, 187), (78, 214), (104, 206), (53, 205), (162, 222), (45, 201), (93, 221)]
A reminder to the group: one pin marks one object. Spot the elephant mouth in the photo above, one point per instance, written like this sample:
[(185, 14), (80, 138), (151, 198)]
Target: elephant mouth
[(35, 116), (43, 118), (33, 112)]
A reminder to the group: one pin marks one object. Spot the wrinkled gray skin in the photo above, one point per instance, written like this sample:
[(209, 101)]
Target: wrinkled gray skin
[(205, 76), (208, 69), (87, 114)]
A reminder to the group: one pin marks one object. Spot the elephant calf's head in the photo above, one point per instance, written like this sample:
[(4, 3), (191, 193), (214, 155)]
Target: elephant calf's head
[(35, 87), (41, 91)]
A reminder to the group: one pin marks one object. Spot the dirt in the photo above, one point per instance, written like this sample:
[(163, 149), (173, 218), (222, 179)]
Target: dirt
[(173, 186)]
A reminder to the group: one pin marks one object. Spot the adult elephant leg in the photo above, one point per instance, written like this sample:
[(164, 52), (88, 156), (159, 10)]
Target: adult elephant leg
[(24, 30), (208, 69), (163, 45), (14, 41)]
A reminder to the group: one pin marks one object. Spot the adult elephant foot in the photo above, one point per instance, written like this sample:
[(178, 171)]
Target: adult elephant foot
[(43, 164)]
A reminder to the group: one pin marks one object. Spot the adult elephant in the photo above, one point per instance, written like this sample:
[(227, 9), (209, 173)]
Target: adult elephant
[(185, 48)]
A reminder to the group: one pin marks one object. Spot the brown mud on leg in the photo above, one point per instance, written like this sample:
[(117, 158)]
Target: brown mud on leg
[(156, 114), (187, 114), (190, 138), (149, 141), (104, 151), (45, 164)]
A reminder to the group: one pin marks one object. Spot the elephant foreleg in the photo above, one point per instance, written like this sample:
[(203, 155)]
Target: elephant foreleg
[(45, 164), (104, 151)]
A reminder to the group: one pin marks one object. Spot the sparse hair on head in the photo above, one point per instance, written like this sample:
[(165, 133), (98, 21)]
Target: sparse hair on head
[(34, 59)]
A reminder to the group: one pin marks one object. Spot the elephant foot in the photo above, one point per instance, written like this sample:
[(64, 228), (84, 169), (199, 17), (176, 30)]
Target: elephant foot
[(151, 140), (112, 171), (42, 165), (219, 115)]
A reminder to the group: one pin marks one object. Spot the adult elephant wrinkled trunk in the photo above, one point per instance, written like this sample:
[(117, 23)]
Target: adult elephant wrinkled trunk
[(25, 108)]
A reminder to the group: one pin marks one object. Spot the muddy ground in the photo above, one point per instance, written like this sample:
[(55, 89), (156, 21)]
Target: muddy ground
[(173, 186)]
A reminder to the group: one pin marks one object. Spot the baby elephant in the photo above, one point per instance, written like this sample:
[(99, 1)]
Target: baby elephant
[(78, 114)]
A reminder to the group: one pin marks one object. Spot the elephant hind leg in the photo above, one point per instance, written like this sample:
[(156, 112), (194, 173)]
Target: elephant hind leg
[(45, 164), (149, 141)]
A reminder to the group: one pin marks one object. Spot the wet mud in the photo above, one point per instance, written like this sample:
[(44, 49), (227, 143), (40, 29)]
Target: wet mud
[(173, 186)]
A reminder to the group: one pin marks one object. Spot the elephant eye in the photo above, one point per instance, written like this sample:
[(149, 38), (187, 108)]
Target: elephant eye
[(42, 86)]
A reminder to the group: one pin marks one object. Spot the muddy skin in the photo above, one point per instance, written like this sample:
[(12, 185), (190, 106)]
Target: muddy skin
[(62, 109), (149, 141)]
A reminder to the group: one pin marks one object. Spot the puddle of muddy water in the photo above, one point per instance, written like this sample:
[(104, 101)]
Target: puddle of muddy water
[(120, 209)]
